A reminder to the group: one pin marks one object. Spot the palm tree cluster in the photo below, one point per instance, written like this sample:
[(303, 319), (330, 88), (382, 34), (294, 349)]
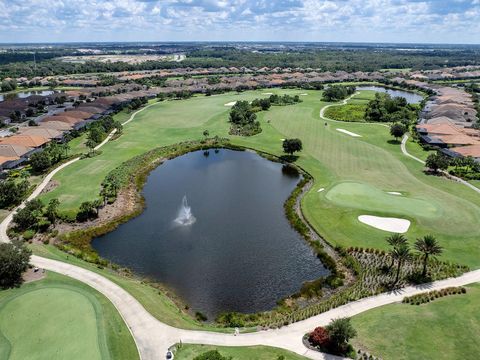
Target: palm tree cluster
[(427, 246)]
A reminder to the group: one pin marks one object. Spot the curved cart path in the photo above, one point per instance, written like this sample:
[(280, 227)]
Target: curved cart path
[(153, 337)]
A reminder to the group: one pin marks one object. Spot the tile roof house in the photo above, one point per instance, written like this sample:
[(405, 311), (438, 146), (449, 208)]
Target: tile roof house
[(61, 118), (471, 150), (25, 140), (13, 155), (41, 131), (55, 125)]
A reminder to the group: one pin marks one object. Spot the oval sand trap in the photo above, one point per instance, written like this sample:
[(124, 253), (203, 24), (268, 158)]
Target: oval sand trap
[(230, 103), (394, 225)]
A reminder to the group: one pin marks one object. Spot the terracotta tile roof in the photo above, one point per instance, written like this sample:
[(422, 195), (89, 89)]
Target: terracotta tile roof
[(472, 150), (457, 139), (56, 125), (9, 150), (25, 140), (440, 129), (4, 159), (471, 132), (62, 118), (40, 131), (82, 115), (440, 120)]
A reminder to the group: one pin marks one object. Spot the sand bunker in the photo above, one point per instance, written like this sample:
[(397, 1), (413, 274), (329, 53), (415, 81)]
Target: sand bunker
[(267, 93), (230, 103), (320, 190), (394, 225), (303, 94), (349, 133), (395, 193)]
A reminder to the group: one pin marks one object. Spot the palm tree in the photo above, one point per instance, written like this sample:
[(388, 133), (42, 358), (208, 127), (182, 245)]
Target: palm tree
[(401, 254), (395, 241), (428, 245)]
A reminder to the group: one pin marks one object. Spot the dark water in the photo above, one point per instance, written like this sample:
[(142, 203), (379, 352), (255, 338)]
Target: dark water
[(241, 253), (24, 94), (411, 97)]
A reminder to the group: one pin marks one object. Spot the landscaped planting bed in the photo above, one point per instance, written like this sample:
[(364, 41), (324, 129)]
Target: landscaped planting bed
[(433, 295)]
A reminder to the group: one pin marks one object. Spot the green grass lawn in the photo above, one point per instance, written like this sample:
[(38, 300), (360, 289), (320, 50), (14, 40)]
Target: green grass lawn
[(61, 318), (446, 328), (333, 158), (189, 352), (366, 197), (416, 149)]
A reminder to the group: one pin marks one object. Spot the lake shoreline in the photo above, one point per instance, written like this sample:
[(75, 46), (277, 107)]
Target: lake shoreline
[(77, 237)]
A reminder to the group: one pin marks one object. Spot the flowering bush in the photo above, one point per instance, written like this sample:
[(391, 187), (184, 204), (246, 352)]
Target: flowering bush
[(319, 337)]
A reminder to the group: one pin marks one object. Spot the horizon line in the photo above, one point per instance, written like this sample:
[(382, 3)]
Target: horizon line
[(237, 41)]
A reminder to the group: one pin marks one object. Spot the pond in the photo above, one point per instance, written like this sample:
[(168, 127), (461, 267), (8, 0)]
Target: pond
[(412, 98), (24, 94), (214, 230)]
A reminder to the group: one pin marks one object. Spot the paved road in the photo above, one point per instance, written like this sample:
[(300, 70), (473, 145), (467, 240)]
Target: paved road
[(153, 337)]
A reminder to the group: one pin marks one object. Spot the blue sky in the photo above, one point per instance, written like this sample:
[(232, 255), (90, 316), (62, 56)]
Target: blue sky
[(429, 21)]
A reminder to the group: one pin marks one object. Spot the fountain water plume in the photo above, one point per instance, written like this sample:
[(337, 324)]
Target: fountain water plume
[(185, 216)]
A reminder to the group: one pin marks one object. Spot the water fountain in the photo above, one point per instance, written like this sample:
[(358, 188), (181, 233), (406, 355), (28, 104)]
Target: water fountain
[(185, 216)]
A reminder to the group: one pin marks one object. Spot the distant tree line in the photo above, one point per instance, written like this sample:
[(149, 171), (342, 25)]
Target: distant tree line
[(327, 60), (338, 92)]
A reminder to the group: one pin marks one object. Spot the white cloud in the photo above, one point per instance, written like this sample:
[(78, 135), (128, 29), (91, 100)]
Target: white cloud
[(307, 20)]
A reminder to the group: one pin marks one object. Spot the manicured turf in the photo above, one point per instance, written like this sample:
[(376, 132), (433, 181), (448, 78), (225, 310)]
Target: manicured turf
[(189, 352), (368, 198), (60, 318), (446, 328), (330, 156)]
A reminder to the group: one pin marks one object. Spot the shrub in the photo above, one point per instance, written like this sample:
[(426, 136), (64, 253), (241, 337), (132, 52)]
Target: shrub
[(28, 235), (319, 337), (200, 316), (340, 332), (433, 295), (14, 259), (211, 355)]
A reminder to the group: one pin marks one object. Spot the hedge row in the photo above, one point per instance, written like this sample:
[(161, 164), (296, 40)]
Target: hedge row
[(433, 295)]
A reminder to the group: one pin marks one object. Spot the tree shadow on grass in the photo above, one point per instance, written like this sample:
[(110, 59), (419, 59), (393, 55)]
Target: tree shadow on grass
[(394, 142)]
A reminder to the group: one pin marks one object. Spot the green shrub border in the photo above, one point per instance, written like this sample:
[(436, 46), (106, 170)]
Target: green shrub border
[(427, 297)]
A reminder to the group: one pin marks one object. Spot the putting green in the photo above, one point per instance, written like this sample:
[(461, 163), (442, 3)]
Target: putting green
[(371, 199), (59, 318)]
